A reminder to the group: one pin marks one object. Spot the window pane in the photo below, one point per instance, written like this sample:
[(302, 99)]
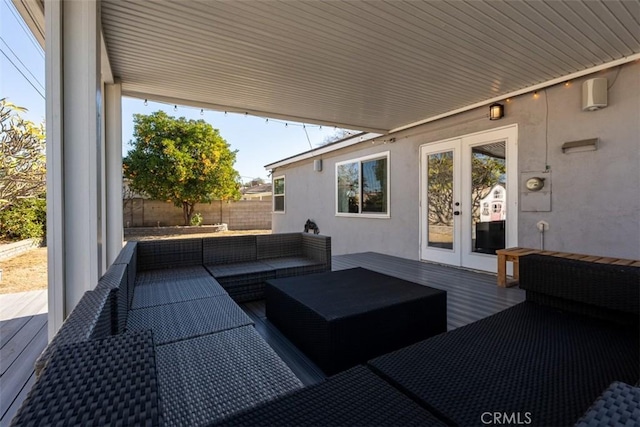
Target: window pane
[(278, 203), (488, 197), (374, 186), (440, 200), (348, 188), (278, 186)]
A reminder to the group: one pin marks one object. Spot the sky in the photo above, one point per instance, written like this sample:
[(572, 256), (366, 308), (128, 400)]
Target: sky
[(258, 142)]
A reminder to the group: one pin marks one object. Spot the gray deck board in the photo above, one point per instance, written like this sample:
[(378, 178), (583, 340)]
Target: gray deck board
[(18, 358), (471, 296), (23, 336)]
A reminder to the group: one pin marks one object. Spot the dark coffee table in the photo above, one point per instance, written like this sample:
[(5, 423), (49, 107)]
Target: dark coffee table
[(343, 318)]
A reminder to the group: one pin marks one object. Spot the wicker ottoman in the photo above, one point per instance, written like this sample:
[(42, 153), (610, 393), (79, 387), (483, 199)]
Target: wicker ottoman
[(342, 318)]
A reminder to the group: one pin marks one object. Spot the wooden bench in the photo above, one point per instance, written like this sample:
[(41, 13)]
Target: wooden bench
[(513, 255)]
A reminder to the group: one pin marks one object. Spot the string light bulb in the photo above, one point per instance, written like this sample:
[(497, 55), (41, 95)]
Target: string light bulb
[(567, 84), (202, 111), (535, 94), (146, 103), (266, 121), (175, 108)]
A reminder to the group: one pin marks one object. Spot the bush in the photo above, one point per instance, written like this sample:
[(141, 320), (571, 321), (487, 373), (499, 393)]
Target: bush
[(196, 220), (26, 219)]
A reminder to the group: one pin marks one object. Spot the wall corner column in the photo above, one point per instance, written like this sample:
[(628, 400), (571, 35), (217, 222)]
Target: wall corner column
[(113, 133), (73, 89)]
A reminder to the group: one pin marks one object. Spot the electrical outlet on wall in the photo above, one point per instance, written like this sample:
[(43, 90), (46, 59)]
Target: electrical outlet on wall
[(542, 226)]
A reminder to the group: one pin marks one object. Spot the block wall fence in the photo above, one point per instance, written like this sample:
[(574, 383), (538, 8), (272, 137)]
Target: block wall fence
[(240, 215)]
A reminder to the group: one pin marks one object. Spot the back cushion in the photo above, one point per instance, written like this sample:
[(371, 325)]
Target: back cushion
[(228, 250), (169, 253), (279, 245), (608, 286)]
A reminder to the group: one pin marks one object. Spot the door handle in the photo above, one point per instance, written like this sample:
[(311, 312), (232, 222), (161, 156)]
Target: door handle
[(456, 212)]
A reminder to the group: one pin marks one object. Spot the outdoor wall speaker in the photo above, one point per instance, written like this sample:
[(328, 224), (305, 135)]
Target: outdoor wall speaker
[(594, 94), (317, 165)]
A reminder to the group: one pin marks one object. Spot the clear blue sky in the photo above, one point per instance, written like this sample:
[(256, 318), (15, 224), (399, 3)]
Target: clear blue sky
[(258, 143)]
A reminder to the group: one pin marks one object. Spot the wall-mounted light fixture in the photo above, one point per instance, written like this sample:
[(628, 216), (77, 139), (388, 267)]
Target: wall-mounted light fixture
[(496, 111)]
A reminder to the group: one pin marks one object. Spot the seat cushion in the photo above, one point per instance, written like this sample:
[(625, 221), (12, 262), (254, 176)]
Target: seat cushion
[(356, 397), (528, 358), (188, 319), (291, 262), (238, 269), (213, 376)]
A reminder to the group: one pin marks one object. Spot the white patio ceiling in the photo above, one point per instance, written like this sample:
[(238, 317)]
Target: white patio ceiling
[(369, 65)]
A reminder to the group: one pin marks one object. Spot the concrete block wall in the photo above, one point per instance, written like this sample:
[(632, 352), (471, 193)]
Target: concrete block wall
[(14, 249), (240, 215)]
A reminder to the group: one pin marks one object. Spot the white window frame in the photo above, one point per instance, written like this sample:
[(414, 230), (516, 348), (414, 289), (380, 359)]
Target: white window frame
[(382, 155), (273, 196)]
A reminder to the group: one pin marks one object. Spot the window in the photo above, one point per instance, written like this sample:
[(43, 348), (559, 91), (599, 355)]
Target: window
[(278, 194), (362, 186)]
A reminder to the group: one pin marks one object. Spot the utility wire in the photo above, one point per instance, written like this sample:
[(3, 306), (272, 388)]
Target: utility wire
[(308, 139), (26, 31), (20, 71), (25, 67)]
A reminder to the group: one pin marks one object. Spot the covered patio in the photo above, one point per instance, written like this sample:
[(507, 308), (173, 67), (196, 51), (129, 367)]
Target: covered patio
[(389, 68), (384, 67)]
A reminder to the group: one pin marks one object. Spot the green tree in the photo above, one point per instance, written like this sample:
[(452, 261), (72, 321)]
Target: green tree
[(182, 161), (486, 171), (22, 156)]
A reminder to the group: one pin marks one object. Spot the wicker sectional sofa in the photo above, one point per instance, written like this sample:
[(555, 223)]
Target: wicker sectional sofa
[(126, 355), (159, 313), (545, 361)]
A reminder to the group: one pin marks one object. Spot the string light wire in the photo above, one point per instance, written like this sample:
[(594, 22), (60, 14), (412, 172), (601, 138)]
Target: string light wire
[(246, 114)]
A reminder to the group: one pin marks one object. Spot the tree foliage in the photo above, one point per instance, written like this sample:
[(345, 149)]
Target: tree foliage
[(336, 136), (25, 219), (22, 156), (486, 171), (182, 161)]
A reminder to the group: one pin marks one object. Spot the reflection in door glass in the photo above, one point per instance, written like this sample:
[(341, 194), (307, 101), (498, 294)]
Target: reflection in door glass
[(488, 197), (440, 200)]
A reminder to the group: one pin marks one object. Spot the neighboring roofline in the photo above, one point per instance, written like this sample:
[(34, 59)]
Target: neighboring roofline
[(341, 143), (347, 142)]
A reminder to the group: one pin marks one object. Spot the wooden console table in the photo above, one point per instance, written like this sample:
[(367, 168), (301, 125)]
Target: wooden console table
[(513, 255)]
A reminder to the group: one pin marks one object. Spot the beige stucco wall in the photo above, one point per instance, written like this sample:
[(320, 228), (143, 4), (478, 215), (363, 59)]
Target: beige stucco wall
[(595, 198)]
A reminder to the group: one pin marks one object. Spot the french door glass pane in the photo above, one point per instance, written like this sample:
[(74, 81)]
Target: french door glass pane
[(440, 200), (488, 197)]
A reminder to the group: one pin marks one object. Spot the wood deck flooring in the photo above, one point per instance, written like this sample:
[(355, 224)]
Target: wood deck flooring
[(23, 336), (471, 296)]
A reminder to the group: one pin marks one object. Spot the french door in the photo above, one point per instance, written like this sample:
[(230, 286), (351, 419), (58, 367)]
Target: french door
[(468, 203)]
